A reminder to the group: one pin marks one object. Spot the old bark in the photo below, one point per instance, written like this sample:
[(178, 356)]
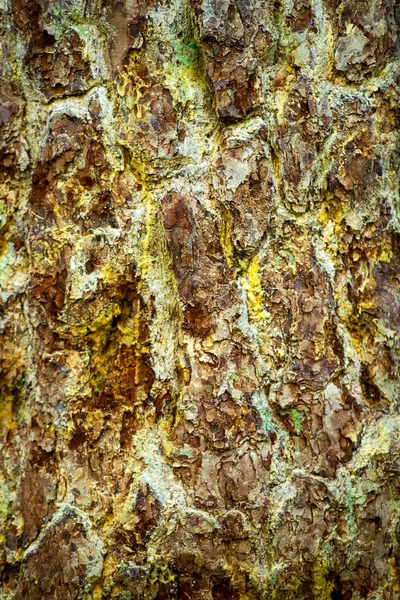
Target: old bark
[(200, 306)]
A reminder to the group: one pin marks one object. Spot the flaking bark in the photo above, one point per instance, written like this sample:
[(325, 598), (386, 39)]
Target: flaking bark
[(200, 309)]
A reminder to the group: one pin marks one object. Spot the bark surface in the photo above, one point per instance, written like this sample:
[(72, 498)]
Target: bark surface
[(200, 303)]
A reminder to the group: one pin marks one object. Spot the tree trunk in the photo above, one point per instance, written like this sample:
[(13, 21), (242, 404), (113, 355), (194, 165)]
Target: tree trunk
[(200, 305)]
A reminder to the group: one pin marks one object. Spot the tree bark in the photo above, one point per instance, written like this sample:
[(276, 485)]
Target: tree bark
[(200, 308)]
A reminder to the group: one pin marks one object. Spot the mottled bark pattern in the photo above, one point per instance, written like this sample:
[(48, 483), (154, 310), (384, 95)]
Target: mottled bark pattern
[(200, 300)]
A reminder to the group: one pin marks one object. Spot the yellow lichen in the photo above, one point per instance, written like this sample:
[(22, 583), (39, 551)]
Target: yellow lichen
[(97, 592), (281, 97), (322, 587), (251, 283), (110, 565), (291, 260), (385, 255), (130, 87), (130, 330), (226, 243), (7, 420)]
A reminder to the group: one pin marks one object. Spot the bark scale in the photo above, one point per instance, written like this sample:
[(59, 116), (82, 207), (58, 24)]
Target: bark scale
[(200, 309)]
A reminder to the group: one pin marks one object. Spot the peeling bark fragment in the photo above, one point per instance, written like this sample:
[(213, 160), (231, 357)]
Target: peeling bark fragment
[(367, 37), (63, 562), (128, 22), (55, 54), (232, 42), (245, 185), (12, 146)]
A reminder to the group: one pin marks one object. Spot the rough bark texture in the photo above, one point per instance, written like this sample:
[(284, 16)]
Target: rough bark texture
[(200, 303)]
